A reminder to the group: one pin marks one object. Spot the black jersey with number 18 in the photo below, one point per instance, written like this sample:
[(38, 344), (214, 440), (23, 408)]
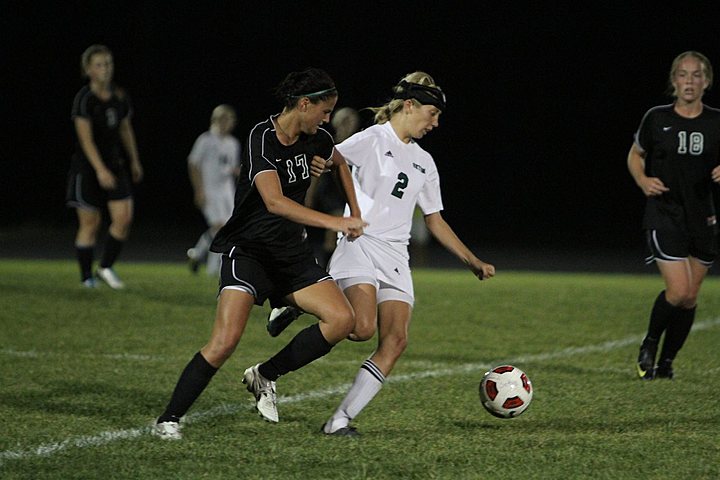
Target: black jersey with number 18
[(681, 152), (252, 227)]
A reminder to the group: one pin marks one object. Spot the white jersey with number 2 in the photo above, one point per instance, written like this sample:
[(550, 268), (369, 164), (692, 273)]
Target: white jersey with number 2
[(390, 178)]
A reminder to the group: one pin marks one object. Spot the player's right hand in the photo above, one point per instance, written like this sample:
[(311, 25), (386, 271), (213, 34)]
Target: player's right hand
[(106, 179), (319, 165), (351, 226), (652, 186)]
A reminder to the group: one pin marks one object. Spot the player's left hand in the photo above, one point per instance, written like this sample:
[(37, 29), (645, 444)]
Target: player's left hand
[(482, 270), (716, 174), (137, 172), (318, 166)]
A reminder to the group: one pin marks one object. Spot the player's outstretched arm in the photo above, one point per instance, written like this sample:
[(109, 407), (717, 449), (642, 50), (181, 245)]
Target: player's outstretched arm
[(448, 239), (268, 185)]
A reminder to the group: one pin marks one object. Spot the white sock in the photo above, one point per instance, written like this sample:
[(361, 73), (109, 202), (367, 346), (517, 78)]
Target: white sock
[(368, 382), (213, 264), (203, 245)]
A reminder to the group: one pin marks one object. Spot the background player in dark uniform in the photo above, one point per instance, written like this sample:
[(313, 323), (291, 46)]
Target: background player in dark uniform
[(104, 166), (674, 160), (265, 250)]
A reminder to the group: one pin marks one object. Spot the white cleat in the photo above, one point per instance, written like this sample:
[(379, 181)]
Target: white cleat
[(167, 430), (108, 276), (264, 392)]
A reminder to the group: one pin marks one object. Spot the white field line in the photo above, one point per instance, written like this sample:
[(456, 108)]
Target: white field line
[(103, 438), (110, 356)]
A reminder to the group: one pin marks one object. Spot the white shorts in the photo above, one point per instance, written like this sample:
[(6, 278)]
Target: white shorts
[(370, 260), (218, 207)]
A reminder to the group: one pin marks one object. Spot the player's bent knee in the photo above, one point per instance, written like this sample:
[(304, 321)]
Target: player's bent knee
[(362, 333), (218, 350), (218, 355), (342, 322), (689, 301), (681, 298)]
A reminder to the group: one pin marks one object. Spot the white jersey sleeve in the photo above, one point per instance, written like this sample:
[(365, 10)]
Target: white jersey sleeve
[(199, 150)]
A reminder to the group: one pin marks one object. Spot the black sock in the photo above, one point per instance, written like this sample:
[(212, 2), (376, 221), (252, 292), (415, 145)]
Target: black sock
[(676, 334), (277, 302), (112, 249), (85, 259), (308, 345), (192, 382), (661, 316)]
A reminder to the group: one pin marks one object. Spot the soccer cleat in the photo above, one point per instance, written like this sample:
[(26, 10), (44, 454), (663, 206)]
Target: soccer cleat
[(193, 261), (167, 430), (109, 276), (264, 392), (89, 283), (342, 432), (664, 369), (280, 318), (646, 360)]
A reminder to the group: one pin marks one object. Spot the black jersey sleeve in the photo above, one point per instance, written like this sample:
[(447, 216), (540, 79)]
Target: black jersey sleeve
[(642, 136), (257, 159), (326, 144)]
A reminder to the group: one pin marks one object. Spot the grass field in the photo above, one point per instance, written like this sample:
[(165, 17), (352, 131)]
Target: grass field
[(83, 373)]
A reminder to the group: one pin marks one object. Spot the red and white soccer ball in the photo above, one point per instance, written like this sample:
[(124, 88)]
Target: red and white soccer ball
[(505, 391)]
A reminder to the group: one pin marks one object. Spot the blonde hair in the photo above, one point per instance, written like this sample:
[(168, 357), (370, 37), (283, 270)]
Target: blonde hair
[(385, 113), (221, 111), (706, 67)]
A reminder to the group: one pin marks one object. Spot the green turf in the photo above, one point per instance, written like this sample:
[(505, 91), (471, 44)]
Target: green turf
[(83, 373)]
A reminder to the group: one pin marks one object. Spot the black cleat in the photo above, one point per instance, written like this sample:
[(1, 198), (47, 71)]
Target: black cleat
[(280, 318), (664, 369), (646, 360), (193, 261), (342, 432)]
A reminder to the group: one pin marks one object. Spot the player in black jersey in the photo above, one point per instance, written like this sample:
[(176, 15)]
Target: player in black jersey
[(104, 166), (265, 251), (674, 160)]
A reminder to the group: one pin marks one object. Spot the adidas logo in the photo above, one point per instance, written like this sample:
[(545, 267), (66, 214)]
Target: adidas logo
[(389, 154)]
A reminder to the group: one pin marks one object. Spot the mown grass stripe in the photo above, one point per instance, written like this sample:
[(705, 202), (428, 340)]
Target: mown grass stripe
[(103, 438)]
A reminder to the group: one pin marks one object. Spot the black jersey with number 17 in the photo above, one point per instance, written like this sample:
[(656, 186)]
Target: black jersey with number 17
[(681, 152), (252, 227)]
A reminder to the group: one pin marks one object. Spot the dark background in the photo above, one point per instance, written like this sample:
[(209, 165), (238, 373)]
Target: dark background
[(543, 99)]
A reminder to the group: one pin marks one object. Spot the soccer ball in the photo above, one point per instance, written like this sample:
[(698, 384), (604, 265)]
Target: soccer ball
[(505, 391)]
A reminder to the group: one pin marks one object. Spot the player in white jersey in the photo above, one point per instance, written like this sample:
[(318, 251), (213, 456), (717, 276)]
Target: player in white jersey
[(391, 174), (213, 166)]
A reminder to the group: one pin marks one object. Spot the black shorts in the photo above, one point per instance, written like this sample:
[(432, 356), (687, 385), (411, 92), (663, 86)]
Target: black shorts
[(674, 245), (263, 277), (84, 190)]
